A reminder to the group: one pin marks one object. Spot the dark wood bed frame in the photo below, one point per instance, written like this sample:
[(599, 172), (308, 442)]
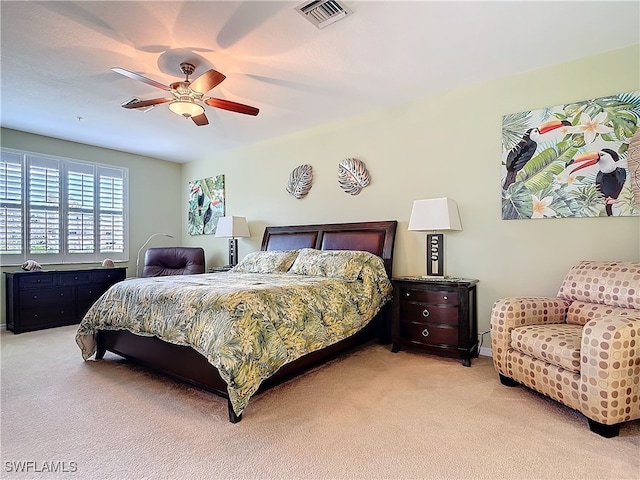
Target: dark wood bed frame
[(186, 364)]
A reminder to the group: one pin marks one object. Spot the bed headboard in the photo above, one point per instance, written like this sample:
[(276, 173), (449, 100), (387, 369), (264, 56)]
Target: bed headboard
[(374, 237)]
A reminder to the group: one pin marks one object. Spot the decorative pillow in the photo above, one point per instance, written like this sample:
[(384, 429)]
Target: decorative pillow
[(345, 264), (266, 261)]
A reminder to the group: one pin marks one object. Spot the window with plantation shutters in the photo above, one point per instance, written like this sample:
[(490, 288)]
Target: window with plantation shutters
[(111, 219), (56, 210), (43, 206), (11, 211), (81, 209)]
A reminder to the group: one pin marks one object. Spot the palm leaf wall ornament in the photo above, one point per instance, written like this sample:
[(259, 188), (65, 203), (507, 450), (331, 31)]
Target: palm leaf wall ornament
[(300, 181), (353, 176)]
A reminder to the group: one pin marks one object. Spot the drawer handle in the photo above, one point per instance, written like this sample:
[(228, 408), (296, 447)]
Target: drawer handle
[(445, 297), (407, 294), (35, 297), (425, 314), (425, 333)]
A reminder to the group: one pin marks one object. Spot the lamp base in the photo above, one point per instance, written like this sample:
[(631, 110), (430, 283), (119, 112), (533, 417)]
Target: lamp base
[(233, 252), (435, 255)]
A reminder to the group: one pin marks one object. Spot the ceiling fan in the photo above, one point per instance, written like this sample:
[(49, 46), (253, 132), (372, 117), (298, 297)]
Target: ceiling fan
[(187, 97)]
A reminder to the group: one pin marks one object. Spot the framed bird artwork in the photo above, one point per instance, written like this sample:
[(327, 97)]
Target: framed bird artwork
[(206, 205), (572, 160)]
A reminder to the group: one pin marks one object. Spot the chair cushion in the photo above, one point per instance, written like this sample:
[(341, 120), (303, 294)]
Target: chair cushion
[(608, 283), (558, 344)]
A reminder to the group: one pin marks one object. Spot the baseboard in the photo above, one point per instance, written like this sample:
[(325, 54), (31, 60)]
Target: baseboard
[(485, 351)]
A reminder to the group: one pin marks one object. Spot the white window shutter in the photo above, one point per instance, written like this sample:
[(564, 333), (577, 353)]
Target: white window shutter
[(11, 204), (43, 192)]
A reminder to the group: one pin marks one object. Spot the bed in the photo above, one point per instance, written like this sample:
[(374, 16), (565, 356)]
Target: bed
[(138, 318)]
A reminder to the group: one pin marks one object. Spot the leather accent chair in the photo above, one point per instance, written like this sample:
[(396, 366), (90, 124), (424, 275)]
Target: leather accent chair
[(173, 261)]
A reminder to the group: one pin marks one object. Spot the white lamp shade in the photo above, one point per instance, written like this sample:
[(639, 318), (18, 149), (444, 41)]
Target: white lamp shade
[(232, 227), (435, 214)]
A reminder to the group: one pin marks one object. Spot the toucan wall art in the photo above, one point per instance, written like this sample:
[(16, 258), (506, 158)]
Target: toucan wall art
[(581, 159), (206, 205)]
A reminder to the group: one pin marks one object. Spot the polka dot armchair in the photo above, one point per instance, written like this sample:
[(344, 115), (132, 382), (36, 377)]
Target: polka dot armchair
[(581, 348)]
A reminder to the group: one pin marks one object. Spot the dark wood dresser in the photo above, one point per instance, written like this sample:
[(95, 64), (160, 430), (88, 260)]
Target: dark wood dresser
[(46, 299), (435, 315)]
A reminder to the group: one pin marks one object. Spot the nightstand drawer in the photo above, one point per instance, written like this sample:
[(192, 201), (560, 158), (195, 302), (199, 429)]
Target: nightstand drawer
[(428, 313), (429, 334), (440, 297)]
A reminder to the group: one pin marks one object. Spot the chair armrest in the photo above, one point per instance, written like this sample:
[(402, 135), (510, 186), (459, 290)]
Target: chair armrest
[(509, 313), (610, 369)]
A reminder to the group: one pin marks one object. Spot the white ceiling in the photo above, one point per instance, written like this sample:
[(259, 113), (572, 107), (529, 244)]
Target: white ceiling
[(56, 60)]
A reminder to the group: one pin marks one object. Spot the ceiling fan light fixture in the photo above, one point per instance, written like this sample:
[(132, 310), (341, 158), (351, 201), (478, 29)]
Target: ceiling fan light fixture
[(186, 108)]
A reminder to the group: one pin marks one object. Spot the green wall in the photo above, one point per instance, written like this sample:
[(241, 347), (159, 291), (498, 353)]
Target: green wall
[(155, 198), (446, 145)]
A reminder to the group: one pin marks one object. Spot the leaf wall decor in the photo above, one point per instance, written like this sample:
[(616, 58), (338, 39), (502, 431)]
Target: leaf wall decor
[(300, 181), (353, 175)]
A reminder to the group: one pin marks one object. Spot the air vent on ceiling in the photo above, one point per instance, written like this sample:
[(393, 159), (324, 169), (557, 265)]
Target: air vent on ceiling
[(323, 13), (134, 100)]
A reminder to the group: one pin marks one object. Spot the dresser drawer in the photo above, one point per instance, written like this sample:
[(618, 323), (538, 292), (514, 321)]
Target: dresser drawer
[(434, 296), (75, 278), (428, 313), (46, 318), (106, 278), (37, 299), (429, 334), (87, 296), (89, 293), (36, 281)]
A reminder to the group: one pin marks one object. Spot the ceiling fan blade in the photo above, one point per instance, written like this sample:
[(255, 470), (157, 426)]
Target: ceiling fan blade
[(231, 106), (140, 78), (146, 103), (207, 81), (200, 120)]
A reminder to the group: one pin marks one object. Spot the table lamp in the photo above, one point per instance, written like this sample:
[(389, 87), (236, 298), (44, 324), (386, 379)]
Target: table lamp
[(232, 228), (432, 215)]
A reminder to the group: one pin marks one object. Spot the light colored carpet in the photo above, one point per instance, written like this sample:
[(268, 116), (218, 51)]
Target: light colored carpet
[(369, 414)]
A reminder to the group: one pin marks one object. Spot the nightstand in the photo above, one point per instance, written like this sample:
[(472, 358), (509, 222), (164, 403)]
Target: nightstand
[(219, 269), (436, 315)]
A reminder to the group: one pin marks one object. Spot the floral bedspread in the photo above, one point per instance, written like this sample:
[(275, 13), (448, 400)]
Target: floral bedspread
[(246, 324)]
